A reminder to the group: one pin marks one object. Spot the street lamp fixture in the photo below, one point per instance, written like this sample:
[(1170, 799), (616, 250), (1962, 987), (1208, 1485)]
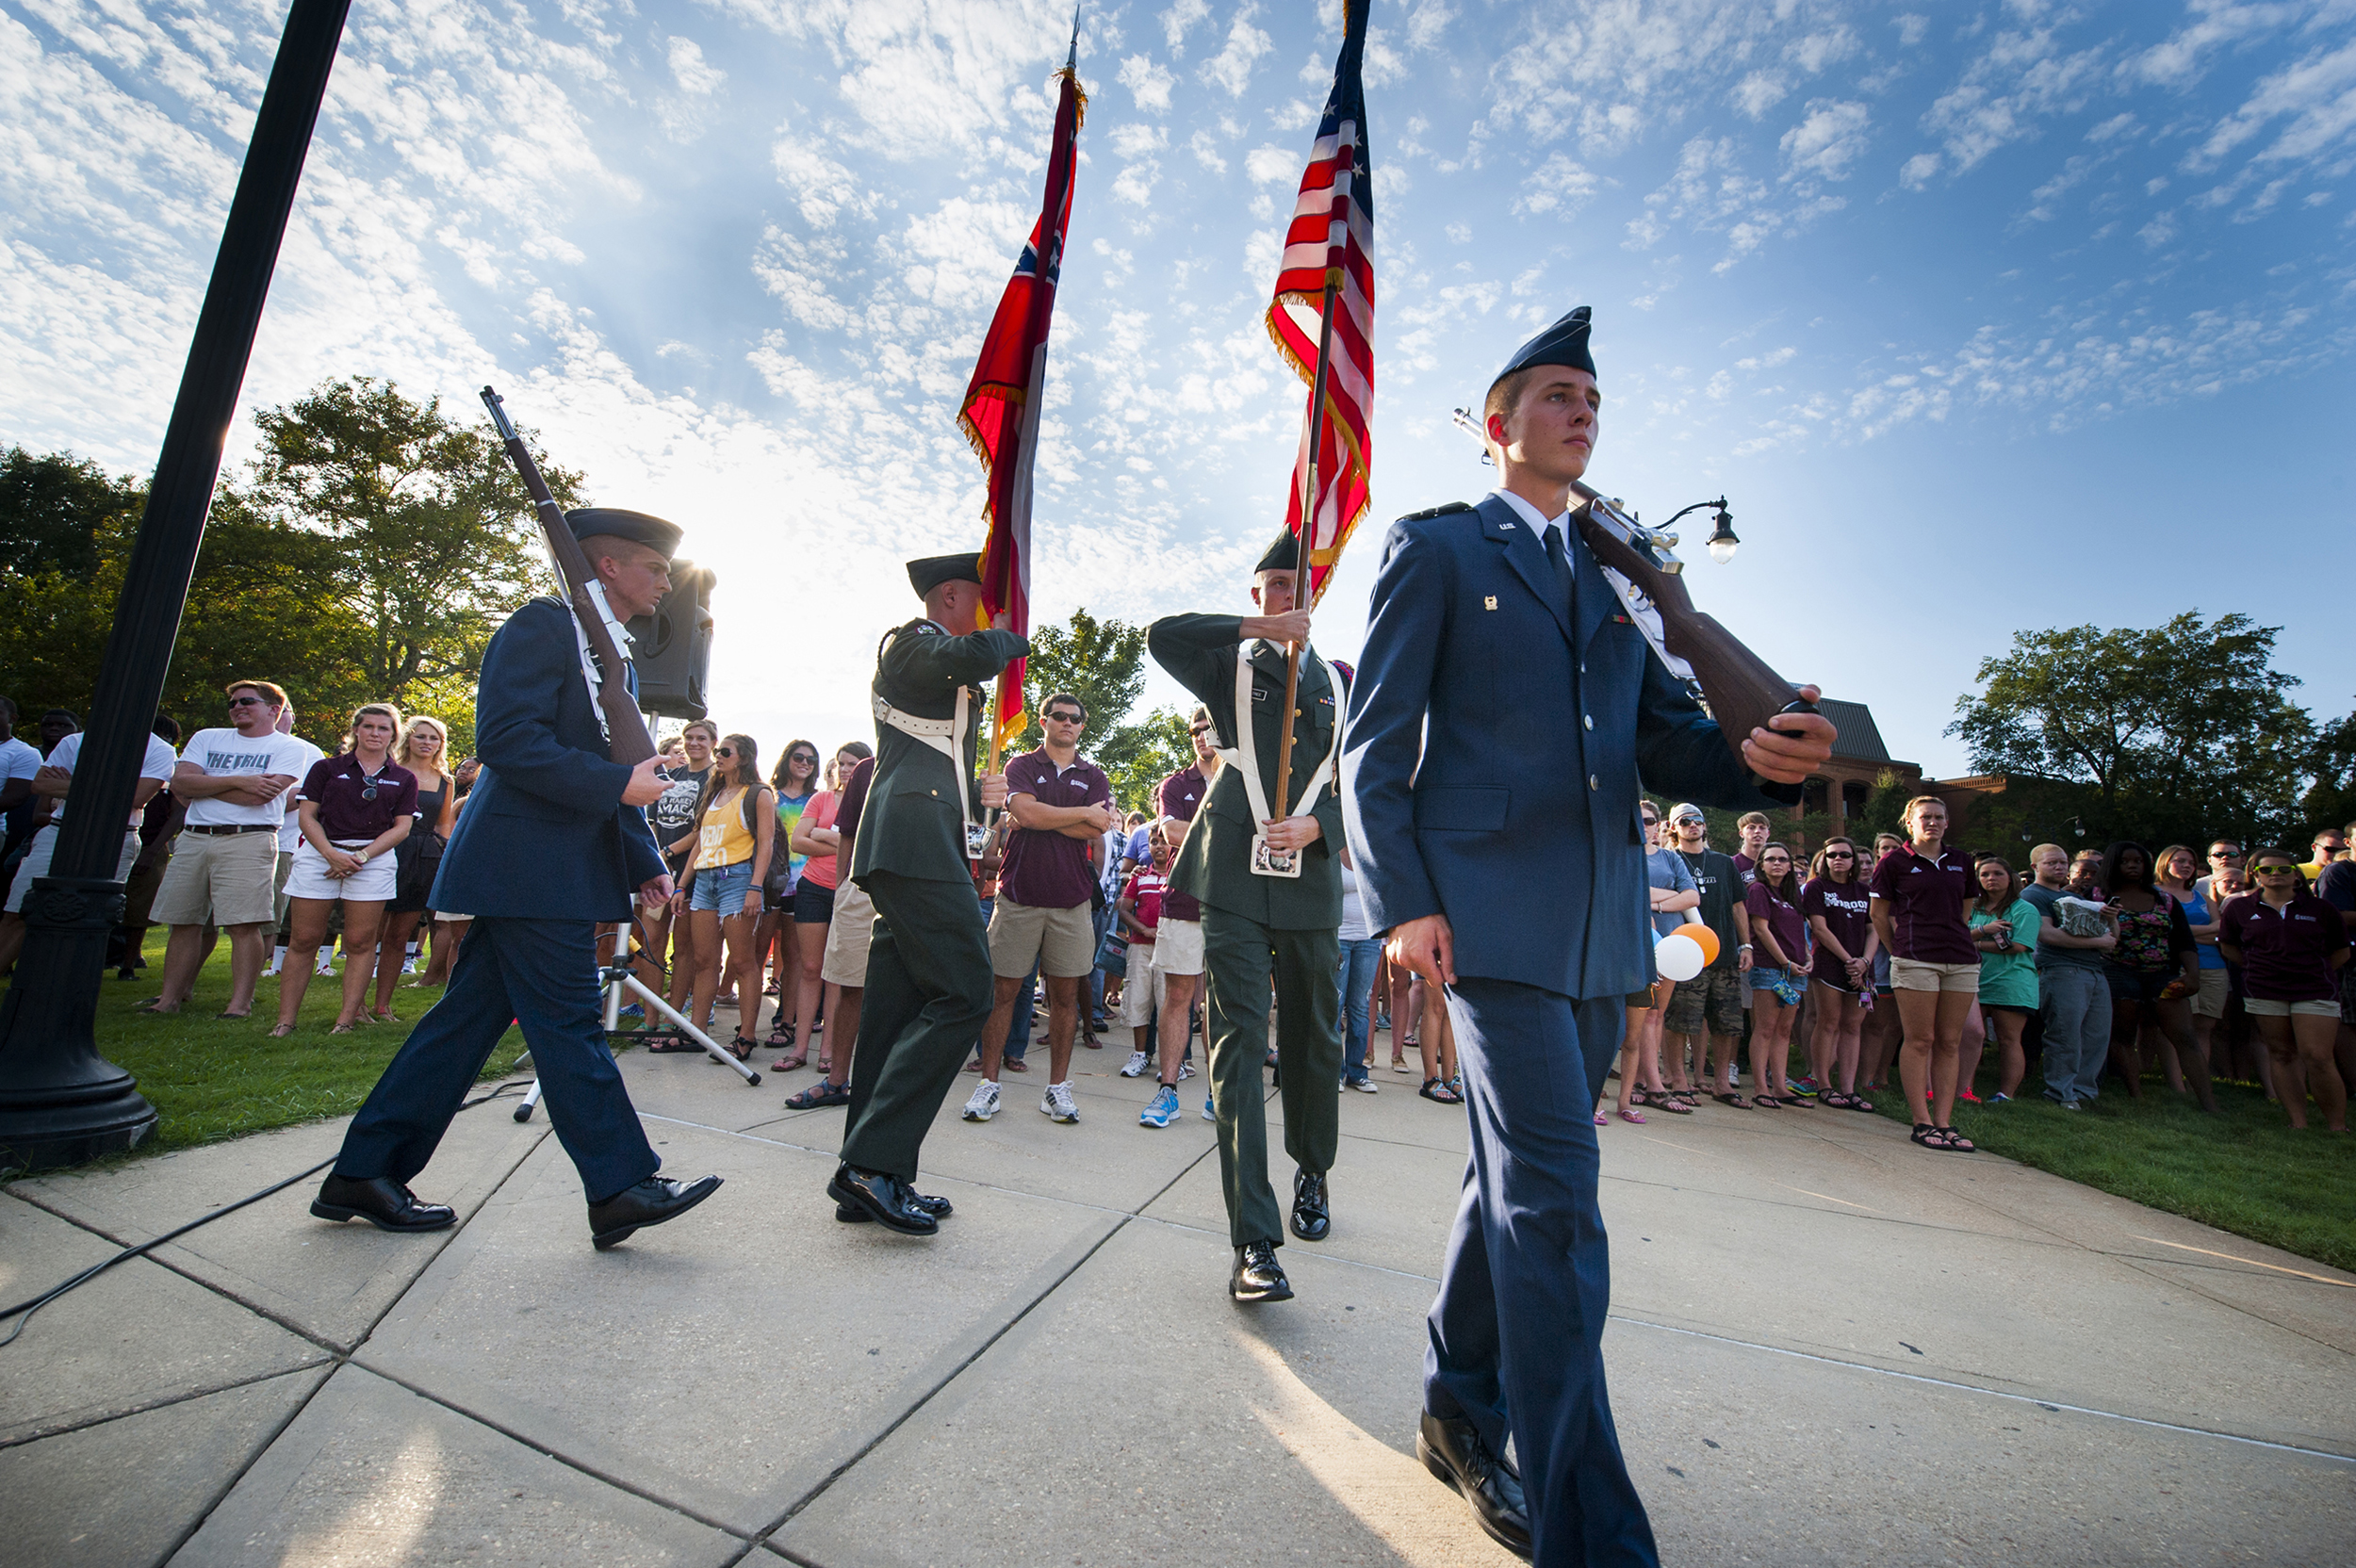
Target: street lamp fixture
[(1721, 541)]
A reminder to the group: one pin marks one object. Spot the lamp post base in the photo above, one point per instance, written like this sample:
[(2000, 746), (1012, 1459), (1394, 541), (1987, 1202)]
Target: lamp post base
[(61, 1102)]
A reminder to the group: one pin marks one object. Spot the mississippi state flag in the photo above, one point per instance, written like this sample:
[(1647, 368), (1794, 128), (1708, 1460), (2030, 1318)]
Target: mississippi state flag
[(1000, 414), (1330, 240)]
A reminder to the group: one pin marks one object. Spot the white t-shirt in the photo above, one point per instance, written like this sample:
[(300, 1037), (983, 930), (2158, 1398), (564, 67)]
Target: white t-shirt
[(223, 753), (290, 831), (18, 761), (156, 764)]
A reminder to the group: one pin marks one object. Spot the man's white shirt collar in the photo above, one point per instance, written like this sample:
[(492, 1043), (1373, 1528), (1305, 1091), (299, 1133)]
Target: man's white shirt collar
[(1539, 524)]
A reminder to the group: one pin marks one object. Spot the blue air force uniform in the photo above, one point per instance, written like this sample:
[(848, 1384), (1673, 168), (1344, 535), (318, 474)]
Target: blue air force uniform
[(1505, 718), (543, 851)]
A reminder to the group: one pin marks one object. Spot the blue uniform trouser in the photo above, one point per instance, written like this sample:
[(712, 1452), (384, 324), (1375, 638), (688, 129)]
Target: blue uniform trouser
[(1516, 1334), (543, 975)]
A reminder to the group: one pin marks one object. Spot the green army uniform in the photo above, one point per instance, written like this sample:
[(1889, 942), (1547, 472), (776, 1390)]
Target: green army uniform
[(1255, 926), (928, 982)]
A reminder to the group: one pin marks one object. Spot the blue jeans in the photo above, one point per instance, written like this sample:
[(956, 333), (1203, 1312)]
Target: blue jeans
[(1360, 959), (2074, 1000)]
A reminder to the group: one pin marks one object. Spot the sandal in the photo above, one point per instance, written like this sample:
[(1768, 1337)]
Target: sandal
[(1016, 1064), (1835, 1100), (780, 1035), (1727, 1096), (1957, 1143), (742, 1048), (1767, 1102), (1437, 1089), (1602, 1121), (819, 1095), (1637, 1116), (1859, 1103), (788, 1063), (282, 1031), (1686, 1097), (1671, 1103), (671, 1043), (236, 1016), (1930, 1137)]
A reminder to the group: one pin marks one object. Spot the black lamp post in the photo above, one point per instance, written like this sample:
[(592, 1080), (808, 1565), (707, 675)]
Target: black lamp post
[(61, 1102), (1722, 540)]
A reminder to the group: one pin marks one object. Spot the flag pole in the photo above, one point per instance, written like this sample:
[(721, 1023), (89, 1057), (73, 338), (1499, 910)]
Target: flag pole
[(1315, 424)]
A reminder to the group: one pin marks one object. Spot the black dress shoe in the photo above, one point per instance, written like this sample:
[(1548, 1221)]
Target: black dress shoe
[(1258, 1276), (651, 1203), (1312, 1218), (1453, 1451), (382, 1202), (939, 1208), (886, 1199)]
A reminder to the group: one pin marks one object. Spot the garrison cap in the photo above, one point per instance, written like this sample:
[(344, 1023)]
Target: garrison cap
[(637, 527), (933, 570), (1282, 556), (1564, 343)]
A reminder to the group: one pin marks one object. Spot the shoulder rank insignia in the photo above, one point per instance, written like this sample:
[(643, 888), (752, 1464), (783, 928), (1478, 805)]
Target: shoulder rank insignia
[(1441, 510)]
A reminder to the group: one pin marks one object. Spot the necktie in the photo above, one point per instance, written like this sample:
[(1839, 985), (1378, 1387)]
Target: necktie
[(1561, 564)]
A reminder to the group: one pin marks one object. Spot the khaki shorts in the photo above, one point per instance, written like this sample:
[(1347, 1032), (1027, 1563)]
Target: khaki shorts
[(2256, 1007), (1061, 941), (849, 936), (2209, 1002), (220, 881), (1178, 947), (1143, 987), (1907, 974), (37, 857)]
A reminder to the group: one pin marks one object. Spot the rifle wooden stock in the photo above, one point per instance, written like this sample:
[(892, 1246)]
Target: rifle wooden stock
[(626, 728), (1743, 691)]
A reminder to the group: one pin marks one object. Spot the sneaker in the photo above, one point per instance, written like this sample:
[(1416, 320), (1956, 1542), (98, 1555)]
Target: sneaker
[(1208, 1114), (1999, 1098), (1138, 1064), (1803, 1087), (985, 1102), (1364, 1085), (1162, 1109), (634, 1011), (2072, 1104), (409, 966), (1185, 1071), (1967, 1097), (1056, 1104)]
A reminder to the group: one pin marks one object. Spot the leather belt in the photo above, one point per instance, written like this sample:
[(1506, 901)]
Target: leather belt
[(225, 832)]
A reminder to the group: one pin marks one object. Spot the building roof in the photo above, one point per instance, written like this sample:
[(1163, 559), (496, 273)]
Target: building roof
[(1859, 739)]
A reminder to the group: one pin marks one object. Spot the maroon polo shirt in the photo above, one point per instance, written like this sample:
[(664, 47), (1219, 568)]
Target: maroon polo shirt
[(336, 784), (1180, 798), (1926, 900), (853, 803), (1046, 869), (2285, 952)]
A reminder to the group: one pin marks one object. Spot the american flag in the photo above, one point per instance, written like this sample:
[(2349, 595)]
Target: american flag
[(1000, 414), (1331, 241)]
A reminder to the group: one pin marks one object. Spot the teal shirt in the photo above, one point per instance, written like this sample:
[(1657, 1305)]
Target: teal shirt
[(2010, 979)]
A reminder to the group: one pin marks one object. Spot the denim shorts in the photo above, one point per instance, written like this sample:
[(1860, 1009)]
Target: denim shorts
[(722, 888)]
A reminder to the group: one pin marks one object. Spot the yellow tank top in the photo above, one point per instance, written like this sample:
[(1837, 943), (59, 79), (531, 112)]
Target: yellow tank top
[(725, 841)]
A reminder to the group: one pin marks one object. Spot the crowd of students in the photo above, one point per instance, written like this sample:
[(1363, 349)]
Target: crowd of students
[(1917, 953), (1912, 953)]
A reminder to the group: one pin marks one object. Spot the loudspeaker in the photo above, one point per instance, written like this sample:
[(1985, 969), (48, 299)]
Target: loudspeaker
[(672, 647)]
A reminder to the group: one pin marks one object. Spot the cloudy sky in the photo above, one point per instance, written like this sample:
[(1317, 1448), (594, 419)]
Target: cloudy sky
[(1983, 316)]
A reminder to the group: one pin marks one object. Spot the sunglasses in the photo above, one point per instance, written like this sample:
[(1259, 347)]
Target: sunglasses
[(2275, 871), (809, 757), (2225, 854), (1066, 718), (724, 751), (246, 702), (1203, 729), (1685, 822), (1840, 855)]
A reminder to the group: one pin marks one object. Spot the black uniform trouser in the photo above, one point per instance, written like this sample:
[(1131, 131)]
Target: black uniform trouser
[(1239, 957), (928, 994)]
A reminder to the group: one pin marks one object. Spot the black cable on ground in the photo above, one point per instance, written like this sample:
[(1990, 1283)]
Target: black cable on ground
[(24, 1311)]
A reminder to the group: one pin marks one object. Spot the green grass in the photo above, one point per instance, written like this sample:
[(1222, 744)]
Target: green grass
[(212, 1078), (2243, 1170)]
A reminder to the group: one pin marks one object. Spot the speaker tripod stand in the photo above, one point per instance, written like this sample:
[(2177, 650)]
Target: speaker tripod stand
[(617, 977)]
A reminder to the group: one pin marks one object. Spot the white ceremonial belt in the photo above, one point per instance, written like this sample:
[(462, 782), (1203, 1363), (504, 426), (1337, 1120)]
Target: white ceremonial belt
[(942, 735), (1244, 757)]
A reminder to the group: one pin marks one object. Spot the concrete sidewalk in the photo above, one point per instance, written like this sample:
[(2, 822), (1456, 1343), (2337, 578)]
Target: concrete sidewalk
[(1828, 1347)]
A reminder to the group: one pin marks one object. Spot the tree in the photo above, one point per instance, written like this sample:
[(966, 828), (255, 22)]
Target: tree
[(52, 507), (2177, 731), (1102, 664), (439, 538)]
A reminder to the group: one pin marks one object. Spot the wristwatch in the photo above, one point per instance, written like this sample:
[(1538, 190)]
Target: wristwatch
[(361, 855)]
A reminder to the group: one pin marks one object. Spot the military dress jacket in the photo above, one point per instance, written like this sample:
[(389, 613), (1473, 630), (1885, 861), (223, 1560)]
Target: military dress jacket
[(1215, 862), (545, 834), (1499, 739), (914, 822)]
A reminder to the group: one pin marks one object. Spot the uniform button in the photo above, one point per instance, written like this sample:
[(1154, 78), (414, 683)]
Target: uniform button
[(1590, 721), (1582, 667), (1591, 782)]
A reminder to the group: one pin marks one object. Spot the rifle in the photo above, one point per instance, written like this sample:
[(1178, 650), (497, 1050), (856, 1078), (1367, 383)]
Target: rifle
[(627, 742), (1742, 690)]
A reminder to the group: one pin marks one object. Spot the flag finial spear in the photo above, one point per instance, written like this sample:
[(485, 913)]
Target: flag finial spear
[(1072, 60)]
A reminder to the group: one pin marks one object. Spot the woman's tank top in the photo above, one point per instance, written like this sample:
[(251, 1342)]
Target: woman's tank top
[(723, 839)]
